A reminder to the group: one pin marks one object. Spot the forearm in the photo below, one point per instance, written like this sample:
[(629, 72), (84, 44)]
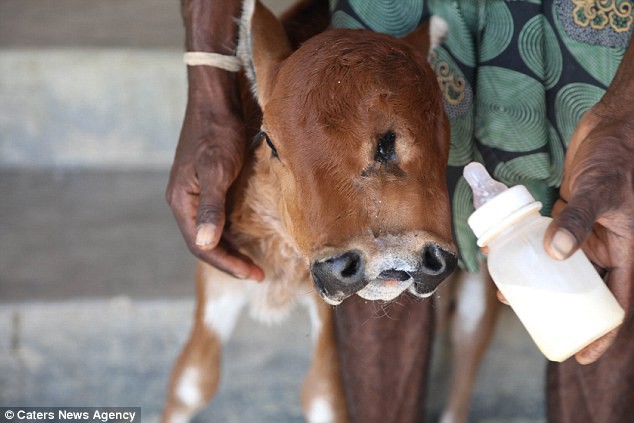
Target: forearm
[(210, 26), (618, 97)]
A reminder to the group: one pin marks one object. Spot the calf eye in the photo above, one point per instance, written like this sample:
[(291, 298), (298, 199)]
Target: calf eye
[(268, 142), (385, 150)]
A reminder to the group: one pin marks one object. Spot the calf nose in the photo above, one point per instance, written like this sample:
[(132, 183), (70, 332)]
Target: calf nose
[(399, 275), (436, 261), (435, 265), (339, 277)]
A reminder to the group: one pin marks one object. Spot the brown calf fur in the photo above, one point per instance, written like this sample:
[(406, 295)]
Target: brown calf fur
[(347, 194)]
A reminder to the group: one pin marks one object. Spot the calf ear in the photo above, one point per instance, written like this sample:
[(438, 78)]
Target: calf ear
[(429, 35), (262, 47)]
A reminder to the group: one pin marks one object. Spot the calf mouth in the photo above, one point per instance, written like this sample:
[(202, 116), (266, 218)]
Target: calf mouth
[(383, 276)]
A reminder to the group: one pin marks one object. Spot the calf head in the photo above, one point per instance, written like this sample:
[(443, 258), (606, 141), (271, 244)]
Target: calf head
[(358, 142)]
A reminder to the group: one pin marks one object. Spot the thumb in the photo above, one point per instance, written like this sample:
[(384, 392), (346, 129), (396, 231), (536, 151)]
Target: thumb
[(572, 225), (210, 216)]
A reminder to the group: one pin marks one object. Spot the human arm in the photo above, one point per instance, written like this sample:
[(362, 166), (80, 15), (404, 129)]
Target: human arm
[(211, 147), (596, 208)]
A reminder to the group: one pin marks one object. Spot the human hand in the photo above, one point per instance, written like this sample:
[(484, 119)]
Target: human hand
[(596, 207), (208, 158)]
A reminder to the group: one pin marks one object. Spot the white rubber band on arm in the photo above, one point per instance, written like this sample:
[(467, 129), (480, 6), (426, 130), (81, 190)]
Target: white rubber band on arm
[(221, 61)]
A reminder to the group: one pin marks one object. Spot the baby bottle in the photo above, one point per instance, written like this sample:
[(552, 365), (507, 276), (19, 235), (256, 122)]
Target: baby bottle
[(564, 305)]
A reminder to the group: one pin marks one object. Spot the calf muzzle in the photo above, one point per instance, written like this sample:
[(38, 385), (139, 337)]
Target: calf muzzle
[(337, 278), (384, 276), (436, 264)]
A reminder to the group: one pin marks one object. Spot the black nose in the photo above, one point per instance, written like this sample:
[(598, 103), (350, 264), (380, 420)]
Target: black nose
[(436, 261), (436, 264), (341, 276)]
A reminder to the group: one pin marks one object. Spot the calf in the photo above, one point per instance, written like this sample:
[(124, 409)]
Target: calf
[(345, 191)]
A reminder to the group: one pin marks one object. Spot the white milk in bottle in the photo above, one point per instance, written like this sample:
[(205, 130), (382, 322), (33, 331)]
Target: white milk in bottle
[(564, 305)]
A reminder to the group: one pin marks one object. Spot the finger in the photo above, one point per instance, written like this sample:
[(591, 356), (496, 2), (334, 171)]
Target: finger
[(184, 206), (619, 283), (208, 234), (592, 352), (231, 261), (572, 226), (210, 217), (214, 180), (502, 298), (215, 177)]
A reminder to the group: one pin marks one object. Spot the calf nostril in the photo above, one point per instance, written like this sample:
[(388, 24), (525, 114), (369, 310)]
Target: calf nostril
[(347, 265), (435, 265), (432, 260), (337, 278), (436, 260), (399, 275), (351, 263)]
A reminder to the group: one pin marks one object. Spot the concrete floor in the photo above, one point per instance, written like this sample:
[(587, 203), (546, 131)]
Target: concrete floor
[(96, 285)]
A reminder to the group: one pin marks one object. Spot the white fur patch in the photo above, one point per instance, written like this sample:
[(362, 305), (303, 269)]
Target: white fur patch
[(447, 417), (270, 303), (221, 314), (384, 290), (315, 321), (320, 411), (188, 390), (245, 44), (471, 302), (179, 417)]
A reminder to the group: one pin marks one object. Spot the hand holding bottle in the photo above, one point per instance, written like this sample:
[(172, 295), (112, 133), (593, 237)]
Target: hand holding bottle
[(596, 209), (564, 305)]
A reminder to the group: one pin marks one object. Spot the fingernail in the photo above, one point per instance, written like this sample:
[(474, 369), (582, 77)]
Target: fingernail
[(562, 244), (240, 275), (205, 234), (256, 275)]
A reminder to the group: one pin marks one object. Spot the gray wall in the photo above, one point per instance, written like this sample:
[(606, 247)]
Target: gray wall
[(91, 84), (106, 107)]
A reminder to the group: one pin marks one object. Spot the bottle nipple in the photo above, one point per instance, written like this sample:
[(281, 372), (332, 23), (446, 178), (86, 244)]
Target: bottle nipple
[(483, 186)]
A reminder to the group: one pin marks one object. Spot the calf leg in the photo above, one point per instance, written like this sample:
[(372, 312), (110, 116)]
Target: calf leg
[(322, 394), (471, 330), (196, 374)]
